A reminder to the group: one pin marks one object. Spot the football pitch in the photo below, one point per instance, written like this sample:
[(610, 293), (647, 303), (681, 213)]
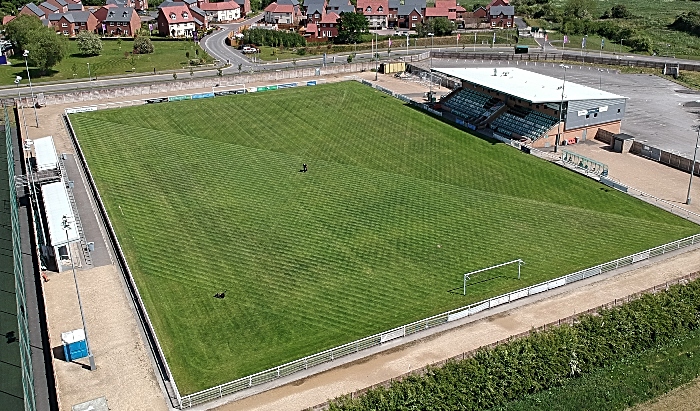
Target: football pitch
[(206, 196)]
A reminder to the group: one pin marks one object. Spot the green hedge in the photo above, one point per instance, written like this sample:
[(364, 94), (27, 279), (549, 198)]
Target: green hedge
[(543, 360), (273, 38)]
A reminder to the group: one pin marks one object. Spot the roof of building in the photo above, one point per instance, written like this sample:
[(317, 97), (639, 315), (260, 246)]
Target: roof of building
[(35, 9), (177, 13), (77, 16), (49, 6), (116, 2), (75, 7), (405, 10), (337, 3), (437, 12), (348, 8), (527, 85), (62, 3), (330, 18), (376, 7), (315, 8), (291, 2), (200, 12), (57, 206), (312, 28), (7, 19), (222, 5), (506, 10), (280, 8), (45, 154), (119, 14)]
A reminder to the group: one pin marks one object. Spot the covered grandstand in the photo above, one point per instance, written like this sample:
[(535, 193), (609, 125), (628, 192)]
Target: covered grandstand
[(520, 104)]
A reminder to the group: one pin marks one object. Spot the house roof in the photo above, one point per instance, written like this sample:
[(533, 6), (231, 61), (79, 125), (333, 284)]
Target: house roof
[(116, 14), (312, 28), (445, 4), (35, 9), (76, 16), (116, 2), (315, 8), (436, 12), (338, 3), (177, 13), (62, 3), (198, 11), (7, 19), (506, 10), (527, 85), (222, 5), (348, 8), (280, 8), (405, 10), (374, 6), (75, 7), (330, 18), (49, 6), (291, 2)]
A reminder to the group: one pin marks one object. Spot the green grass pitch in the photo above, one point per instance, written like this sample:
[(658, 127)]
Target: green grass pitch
[(207, 196)]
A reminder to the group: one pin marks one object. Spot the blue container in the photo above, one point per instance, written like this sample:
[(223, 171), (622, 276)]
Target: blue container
[(76, 350)]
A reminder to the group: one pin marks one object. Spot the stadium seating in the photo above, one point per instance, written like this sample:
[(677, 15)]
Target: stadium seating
[(470, 105), (523, 122)]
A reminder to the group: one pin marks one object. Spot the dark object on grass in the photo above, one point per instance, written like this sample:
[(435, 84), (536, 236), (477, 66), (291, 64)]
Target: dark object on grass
[(220, 295)]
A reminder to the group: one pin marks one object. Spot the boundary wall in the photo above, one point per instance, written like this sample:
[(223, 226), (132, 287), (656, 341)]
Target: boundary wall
[(305, 363)]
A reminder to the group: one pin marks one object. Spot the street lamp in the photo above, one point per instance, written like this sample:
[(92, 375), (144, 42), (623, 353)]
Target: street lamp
[(376, 62), (621, 40), (430, 93), (19, 96), (561, 108), (26, 64), (91, 358), (692, 169), (89, 75)]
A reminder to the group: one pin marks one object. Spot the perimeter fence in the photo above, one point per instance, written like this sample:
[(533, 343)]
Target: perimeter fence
[(21, 299)]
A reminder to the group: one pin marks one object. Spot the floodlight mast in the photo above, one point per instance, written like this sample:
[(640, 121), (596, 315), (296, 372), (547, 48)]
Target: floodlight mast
[(467, 275)]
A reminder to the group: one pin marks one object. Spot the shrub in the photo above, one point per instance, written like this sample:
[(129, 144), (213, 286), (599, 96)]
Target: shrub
[(143, 45)]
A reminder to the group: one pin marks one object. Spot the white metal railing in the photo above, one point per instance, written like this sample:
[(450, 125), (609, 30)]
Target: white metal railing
[(332, 354)]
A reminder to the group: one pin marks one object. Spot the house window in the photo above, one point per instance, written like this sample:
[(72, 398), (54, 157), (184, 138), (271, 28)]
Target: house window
[(380, 8), (618, 110), (414, 18), (588, 116), (65, 32), (173, 16), (595, 115), (184, 15), (368, 9), (64, 25), (413, 25)]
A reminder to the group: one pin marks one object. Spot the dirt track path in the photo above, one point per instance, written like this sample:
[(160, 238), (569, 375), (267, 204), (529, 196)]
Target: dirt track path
[(317, 389)]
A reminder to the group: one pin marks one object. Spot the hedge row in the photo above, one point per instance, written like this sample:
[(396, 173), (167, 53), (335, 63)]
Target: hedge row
[(543, 360), (273, 38)]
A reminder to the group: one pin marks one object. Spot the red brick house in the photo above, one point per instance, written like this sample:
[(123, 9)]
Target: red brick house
[(117, 21), (500, 13), (32, 9), (328, 26), (72, 23), (281, 14), (62, 5), (375, 11)]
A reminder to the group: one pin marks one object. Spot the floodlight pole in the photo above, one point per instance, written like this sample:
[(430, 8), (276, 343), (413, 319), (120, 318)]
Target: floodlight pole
[(26, 64), (561, 108), (19, 96), (692, 169), (431, 35), (91, 357)]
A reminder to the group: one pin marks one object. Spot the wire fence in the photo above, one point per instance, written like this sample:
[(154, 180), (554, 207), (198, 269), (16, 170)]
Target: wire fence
[(335, 353)]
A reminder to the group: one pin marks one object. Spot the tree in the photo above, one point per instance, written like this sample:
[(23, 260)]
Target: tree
[(46, 49), (441, 26), (620, 11), (20, 30), (143, 45), (351, 26), (580, 8), (89, 43)]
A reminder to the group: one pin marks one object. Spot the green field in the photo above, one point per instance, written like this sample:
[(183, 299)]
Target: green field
[(207, 196), (167, 55)]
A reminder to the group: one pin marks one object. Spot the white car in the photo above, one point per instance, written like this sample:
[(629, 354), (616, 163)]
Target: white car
[(248, 50)]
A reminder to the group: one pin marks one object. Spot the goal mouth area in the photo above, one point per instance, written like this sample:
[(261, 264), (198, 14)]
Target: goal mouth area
[(482, 279)]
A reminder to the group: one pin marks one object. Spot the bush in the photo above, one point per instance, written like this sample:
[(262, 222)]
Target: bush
[(143, 45), (688, 22), (273, 38), (89, 43), (543, 360)]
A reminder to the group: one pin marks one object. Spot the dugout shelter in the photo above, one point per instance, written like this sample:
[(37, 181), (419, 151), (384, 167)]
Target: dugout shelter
[(524, 105)]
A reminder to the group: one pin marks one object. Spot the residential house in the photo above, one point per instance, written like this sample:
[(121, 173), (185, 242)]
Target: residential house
[(71, 23), (280, 14), (120, 21), (176, 20), (328, 26), (375, 11), (61, 5), (481, 13), (76, 7), (200, 18), (136, 4), (501, 16), (314, 10), (223, 11), (245, 7), (32, 9), (409, 16), (448, 9)]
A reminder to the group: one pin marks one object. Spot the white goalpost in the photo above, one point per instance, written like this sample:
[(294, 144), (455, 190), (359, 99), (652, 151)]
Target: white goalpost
[(468, 275)]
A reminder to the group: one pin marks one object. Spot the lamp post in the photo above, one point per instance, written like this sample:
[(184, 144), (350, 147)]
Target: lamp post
[(561, 108), (621, 40), (89, 75), (91, 358), (431, 35), (376, 61), (26, 64), (692, 169), (19, 96)]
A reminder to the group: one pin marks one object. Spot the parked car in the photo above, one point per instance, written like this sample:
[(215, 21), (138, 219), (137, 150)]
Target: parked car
[(250, 50)]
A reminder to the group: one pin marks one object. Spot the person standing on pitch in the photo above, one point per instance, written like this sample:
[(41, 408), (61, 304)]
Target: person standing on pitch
[(304, 168)]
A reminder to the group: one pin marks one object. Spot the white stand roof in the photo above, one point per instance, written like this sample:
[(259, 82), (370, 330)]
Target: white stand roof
[(45, 153), (57, 205)]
